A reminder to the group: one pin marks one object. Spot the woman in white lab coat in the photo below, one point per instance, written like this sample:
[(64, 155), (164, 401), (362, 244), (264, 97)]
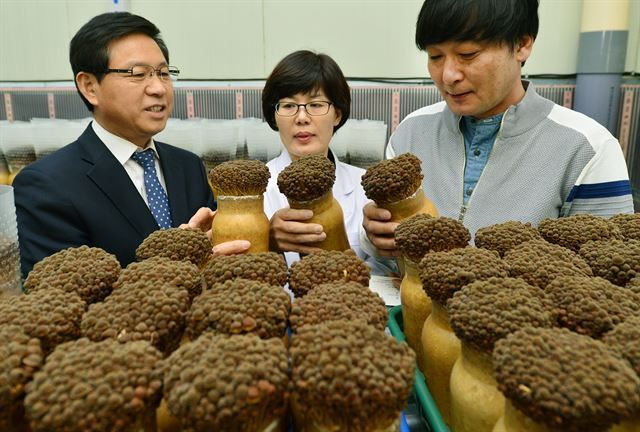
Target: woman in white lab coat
[(306, 99)]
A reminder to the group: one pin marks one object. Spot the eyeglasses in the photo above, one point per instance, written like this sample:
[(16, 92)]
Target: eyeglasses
[(289, 109), (142, 72)]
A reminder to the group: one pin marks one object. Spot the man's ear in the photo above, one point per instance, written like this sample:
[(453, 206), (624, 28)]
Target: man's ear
[(89, 87), (524, 48)]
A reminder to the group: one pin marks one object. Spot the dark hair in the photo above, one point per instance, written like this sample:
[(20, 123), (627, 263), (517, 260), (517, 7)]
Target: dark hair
[(499, 21), (302, 72), (89, 48)]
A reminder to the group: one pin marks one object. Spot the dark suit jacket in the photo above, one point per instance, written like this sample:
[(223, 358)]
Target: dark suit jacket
[(82, 195)]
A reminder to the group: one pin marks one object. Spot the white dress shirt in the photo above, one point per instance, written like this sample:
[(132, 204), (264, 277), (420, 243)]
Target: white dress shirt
[(122, 150)]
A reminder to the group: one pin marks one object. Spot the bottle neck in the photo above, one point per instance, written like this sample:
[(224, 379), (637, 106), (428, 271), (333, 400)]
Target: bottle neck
[(408, 206), (243, 204), (318, 205)]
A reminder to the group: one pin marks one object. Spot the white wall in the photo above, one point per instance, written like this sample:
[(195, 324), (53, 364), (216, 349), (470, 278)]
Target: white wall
[(244, 39)]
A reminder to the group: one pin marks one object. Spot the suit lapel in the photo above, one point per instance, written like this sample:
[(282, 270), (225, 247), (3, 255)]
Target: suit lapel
[(174, 178), (112, 179)]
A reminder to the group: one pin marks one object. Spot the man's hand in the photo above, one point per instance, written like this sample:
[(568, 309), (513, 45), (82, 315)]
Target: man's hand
[(201, 220), (231, 247), (379, 230), (288, 231)]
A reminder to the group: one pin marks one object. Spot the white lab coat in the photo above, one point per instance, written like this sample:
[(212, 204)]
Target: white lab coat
[(347, 190)]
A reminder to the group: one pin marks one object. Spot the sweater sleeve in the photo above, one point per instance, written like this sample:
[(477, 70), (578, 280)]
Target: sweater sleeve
[(603, 186)]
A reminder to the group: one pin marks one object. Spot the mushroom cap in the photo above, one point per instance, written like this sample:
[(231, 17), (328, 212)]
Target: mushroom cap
[(240, 306), (504, 236), (484, 312), (143, 310), (539, 262), (20, 357), (88, 271), (625, 339), (629, 225), (573, 231), (336, 301), (49, 314), (326, 266), (268, 267), (393, 180), (182, 274), (564, 380), (88, 385), (307, 178), (421, 233), (615, 260), (350, 376), (239, 177), (237, 383), (444, 273), (591, 305), (177, 244)]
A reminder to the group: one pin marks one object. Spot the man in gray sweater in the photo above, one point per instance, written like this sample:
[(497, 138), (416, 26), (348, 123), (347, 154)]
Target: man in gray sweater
[(494, 150)]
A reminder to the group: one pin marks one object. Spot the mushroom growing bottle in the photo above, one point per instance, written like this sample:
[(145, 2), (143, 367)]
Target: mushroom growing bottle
[(307, 183), (482, 313), (416, 237), (395, 185), (239, 188), (442, 275), (558, 380)]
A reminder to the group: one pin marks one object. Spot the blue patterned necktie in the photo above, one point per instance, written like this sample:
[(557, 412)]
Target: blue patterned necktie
[(156, 196)]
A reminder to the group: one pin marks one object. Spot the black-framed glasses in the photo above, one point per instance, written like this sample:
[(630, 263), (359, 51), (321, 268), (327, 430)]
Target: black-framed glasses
[(142, 72), (315, 108)]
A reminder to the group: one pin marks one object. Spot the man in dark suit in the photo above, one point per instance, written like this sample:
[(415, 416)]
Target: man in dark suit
[(115, 185)]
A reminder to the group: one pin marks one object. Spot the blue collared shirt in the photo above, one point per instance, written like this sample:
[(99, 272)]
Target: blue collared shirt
[(479, 136)]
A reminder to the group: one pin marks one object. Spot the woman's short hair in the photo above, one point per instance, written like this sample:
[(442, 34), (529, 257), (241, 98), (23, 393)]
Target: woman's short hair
[(303, 72)]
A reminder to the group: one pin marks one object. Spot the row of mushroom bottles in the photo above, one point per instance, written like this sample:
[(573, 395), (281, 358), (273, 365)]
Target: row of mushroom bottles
[(530, 329)]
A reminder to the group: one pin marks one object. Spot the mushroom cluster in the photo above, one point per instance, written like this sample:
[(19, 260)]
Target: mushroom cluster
[(421, 233), (615, 260), (88, 271), (237, 383), (505, 236), (20, 357), (240, 306), (573, 231), (326, 266), (49, 314), (181, 274), (176, 244), (239, 178), (628, 224), (144, 310), (625, 339), (634, 284), (565, 381), (393, 180), (308, 178), (268, 267), (349, 376), (335, 301), (484, 312), (444, 273), (95, 386), (539, 262), (591, 305)]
